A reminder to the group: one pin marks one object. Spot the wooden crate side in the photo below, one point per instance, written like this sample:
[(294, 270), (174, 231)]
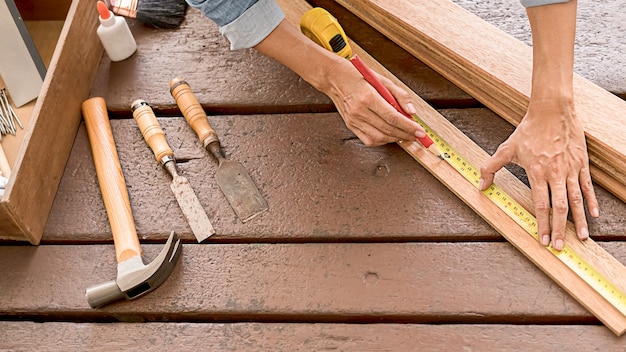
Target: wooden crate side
[(34, 10), (46, 146)]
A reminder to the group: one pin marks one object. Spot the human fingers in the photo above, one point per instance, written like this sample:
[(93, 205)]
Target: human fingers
[(577, 207), (541, 201), (560, 208), (502, 156), (391, 123), (405, 103), (588, 192)]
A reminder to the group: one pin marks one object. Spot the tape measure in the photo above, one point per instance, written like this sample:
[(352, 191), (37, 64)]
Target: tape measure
[(324, 29), (528, 222), (318, 23)]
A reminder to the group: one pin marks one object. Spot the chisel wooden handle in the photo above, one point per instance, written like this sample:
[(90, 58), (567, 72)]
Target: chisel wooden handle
[(111, 179), (193, 111), (151, 130)]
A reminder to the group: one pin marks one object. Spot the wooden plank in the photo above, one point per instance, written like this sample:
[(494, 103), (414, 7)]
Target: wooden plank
[(240, 81), (320, 187), (330, 183), (316, 282), (501, 79), (590, 251), (225, 81), (600, 37), (61, 337)]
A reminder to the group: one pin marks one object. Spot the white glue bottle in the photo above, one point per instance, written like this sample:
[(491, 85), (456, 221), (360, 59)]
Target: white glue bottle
[(114, 34)]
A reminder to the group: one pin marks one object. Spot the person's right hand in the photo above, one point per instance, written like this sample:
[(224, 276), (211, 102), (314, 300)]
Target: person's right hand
[(365, 112)]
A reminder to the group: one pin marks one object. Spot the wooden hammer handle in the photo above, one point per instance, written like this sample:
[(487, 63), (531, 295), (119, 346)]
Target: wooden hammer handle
[(193, 111), (151, 130), (111, 179)]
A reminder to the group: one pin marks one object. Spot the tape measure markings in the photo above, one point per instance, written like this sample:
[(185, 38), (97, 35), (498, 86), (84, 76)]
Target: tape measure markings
[(527, 221)]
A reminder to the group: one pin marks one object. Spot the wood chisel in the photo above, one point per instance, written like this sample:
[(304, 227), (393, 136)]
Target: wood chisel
[(232, 178), (186, 197), (319, 25)]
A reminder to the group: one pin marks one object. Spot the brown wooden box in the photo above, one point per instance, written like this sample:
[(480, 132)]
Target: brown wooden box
[(39, 152)]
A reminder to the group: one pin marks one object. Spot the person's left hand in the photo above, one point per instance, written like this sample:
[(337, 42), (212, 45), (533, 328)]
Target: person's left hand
[(550, 145)]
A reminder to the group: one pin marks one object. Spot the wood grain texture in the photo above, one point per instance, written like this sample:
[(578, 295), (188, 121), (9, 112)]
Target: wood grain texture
[(48, 139), (501, 79), (33, 10), (600, 36), (53, 337), (590, 251), (240, 81), (368, 283), (323, 186)]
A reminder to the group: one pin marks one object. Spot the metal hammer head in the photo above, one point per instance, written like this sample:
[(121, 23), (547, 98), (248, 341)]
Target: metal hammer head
[(135, 279)]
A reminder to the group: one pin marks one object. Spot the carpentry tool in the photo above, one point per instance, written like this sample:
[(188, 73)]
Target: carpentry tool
[(134, 278), (503, 201), (186, 197), (232, 177), (324, 29)]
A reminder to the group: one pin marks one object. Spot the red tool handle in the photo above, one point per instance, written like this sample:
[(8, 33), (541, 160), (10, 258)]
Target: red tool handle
[(384, 92)]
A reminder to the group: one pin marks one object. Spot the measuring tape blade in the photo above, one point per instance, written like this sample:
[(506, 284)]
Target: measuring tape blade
[(319, 23), (527, 221)]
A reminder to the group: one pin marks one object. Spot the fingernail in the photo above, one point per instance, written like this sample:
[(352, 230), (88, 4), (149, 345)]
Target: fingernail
[(420, 134), (584, 233), (545, 240), (481, 185), (558, 245), (595, 212), (410, 109)]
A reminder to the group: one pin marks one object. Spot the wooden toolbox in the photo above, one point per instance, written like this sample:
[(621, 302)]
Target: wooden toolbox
[(38, 153)]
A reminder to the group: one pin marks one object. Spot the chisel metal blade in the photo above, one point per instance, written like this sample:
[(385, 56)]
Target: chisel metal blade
[(240, 190), (192, 209)]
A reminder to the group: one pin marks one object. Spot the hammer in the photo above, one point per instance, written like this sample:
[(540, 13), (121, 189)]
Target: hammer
[(134, 278)]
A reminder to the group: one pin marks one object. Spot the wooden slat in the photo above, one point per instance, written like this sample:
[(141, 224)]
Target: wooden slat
[(466, 282), (590, 251), (323, 186), (496, 68), (61, 337), (239, 81)]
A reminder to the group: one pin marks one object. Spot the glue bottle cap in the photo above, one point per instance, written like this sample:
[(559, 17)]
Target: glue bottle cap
[(103, 10)]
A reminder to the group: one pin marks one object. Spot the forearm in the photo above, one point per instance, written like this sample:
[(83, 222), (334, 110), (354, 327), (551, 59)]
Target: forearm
[(553, 33), (310, 61)]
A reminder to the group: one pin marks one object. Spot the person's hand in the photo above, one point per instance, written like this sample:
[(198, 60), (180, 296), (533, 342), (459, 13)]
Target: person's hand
[(374, 121), (550, 145), (366, 113)]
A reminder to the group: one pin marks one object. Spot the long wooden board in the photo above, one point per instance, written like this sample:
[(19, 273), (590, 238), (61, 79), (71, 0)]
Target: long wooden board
[(606, 264), (192, 336), (358, 200), (297, 282), (495, 68)]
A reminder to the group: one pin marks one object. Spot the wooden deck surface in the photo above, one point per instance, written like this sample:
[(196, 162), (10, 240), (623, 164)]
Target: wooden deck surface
[(362, 249)]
